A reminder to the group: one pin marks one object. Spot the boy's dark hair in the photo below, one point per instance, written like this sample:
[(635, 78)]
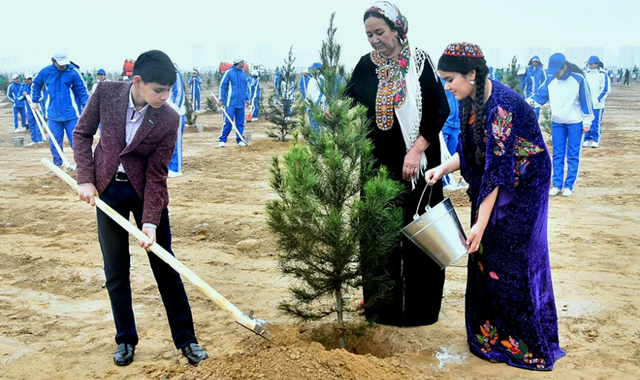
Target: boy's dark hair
[(155, 66)]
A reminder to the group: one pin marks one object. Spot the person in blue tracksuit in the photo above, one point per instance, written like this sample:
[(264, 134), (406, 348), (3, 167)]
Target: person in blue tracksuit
[(67, 97), (304, 83), (567, 90), (101, 77), (254, 95), (314, 92), (14, 94), (534, 77), (233, 95), (492, 73), (195, 87), (36, 136), (611, 75), (176, 100), (600, 87), (276, 83), (451, 129)]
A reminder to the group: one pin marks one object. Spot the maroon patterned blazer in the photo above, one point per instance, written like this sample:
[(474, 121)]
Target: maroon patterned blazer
[(145, 160)]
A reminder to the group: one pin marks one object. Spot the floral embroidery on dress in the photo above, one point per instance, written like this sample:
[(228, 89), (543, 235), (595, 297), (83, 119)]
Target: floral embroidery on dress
[(520, 169), (519, 350), (488, 338), (391, 85), (523, 149), (501, 129)]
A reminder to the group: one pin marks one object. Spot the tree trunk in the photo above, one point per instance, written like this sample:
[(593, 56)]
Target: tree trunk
[(340, 310)]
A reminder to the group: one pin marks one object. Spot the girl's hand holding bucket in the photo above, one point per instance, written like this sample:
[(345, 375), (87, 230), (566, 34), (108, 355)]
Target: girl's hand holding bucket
[(433, 175)]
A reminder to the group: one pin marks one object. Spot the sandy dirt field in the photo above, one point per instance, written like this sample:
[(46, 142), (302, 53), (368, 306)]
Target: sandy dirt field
[(56, 322)]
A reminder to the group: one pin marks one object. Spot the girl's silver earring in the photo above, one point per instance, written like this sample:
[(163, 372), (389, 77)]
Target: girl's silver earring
[(472, 82)]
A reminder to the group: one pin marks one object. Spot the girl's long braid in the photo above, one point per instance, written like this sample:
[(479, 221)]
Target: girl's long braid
[(464, 126)]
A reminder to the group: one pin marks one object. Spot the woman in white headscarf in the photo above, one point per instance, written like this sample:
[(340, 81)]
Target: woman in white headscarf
[(407, 107)]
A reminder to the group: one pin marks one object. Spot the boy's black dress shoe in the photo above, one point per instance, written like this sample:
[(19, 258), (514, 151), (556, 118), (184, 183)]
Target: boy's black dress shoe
[(124, 354), (194, 353)]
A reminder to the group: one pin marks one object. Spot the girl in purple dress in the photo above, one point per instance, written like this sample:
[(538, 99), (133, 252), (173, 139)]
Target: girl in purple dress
[(510, 308)]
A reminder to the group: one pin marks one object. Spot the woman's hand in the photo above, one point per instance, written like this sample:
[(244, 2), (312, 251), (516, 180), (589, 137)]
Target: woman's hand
[(433, 175), (411, 164), (475, 236)]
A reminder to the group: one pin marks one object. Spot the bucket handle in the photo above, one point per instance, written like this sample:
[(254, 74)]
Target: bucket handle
[(427, 207)]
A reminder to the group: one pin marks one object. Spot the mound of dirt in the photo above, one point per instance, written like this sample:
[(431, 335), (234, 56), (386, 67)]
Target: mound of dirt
[(292, 356)]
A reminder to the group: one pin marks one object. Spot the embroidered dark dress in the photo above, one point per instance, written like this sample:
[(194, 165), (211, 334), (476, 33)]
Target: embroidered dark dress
[(418, 281), (510, 307)]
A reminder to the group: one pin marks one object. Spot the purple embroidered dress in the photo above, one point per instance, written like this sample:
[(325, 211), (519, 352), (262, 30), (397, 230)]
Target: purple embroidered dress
[(510, 307)]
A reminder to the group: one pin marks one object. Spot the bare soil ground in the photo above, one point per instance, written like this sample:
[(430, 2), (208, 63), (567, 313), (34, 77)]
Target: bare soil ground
[(56, 322)]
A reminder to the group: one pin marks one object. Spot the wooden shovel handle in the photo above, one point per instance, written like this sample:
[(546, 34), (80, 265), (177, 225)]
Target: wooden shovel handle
[(164, 255)]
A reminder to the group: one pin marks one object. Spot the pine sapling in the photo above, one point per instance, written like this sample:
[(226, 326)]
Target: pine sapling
[(335, 212)]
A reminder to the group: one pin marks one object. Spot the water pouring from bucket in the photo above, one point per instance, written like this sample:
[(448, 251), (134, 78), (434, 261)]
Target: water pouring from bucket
[(438, 232)]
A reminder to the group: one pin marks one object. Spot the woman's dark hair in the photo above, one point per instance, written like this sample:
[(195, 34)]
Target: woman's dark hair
[(573, 68), (154, 66), (464, 66), (378, 15), (601, 65)]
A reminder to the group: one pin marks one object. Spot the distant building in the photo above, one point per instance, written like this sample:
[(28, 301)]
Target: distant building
[(580, 54), (629, 56)]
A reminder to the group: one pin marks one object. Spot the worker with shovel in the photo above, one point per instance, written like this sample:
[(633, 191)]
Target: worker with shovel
[(129, 173), (36, 136), (67, 97), (234, 93)]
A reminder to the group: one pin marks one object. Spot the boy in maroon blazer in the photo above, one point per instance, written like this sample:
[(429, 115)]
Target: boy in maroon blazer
[(128, 171)]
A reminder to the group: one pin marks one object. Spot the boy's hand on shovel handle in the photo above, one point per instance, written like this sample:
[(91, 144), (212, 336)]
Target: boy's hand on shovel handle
[(88, 193), (151, 233)]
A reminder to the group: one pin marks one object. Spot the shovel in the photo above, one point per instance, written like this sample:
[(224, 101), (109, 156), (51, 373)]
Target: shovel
[(255, 325), (43, 125), (224, 110)]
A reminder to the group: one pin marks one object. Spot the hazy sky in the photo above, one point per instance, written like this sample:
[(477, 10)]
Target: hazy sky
[(101, 34)]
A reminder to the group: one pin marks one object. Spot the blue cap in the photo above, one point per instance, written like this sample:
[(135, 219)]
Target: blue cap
[(556, 62), (316, 66), (101, 71), (594, 59)]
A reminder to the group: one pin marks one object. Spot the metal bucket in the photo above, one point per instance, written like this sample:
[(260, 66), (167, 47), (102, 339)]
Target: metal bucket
[(438, 233), (18, 141), (247, 136), (200, 128)]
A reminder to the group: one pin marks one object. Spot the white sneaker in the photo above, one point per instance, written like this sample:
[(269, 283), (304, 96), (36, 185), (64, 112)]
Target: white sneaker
[(595, 145), (241, 144), (554, 191), (222, 144), (450, 187), (173, 174), (586, 144), (567, 192), (16, 130), (31, 144)]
